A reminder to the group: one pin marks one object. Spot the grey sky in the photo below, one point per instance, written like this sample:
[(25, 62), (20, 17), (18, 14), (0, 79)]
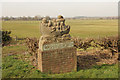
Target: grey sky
[(67, 9)]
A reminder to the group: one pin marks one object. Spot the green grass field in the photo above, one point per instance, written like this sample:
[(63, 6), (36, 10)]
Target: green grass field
[(81, 28), (14, 66)]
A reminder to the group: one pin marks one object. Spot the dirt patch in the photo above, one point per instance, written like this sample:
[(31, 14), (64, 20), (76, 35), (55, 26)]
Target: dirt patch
[(87, 60)]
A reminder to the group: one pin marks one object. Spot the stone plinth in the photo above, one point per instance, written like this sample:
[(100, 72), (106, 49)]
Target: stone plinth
[(57, 57)]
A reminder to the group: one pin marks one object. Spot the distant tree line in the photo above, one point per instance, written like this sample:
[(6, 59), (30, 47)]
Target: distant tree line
[(38, 18), (85, 17), (23, 18)]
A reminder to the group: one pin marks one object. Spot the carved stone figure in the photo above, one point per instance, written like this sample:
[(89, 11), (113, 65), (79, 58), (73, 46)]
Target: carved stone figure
[(55, 28)]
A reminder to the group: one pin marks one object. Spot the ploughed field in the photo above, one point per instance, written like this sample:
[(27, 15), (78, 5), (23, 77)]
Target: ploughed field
[(16, 58)]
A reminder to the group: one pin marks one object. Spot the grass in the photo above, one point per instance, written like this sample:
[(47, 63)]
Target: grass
[(18, 48), (81, 28), (13, 66), (22, 29), (93, 28), (13, 49)]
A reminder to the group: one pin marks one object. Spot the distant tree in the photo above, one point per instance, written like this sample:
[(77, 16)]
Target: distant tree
[(11, 18), (6, 18), (29, 18), (21, 18), (47, 17), (37, 17), (3, 17), (24, 18)]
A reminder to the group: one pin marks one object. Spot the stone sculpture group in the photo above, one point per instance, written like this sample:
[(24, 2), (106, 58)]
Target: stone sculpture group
[(55, 28)]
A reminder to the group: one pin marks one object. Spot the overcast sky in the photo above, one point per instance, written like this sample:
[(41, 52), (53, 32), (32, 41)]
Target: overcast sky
[(67, 9)]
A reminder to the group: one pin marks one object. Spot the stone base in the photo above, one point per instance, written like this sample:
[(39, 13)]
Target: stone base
[(58, 59)]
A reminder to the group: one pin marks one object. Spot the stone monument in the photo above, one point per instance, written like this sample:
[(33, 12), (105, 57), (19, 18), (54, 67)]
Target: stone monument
[(56, 53)]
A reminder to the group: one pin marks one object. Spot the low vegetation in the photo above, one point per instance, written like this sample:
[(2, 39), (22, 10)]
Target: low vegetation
[(6, 38)]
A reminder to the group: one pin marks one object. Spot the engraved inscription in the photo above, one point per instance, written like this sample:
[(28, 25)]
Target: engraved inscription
[(57, 46)]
